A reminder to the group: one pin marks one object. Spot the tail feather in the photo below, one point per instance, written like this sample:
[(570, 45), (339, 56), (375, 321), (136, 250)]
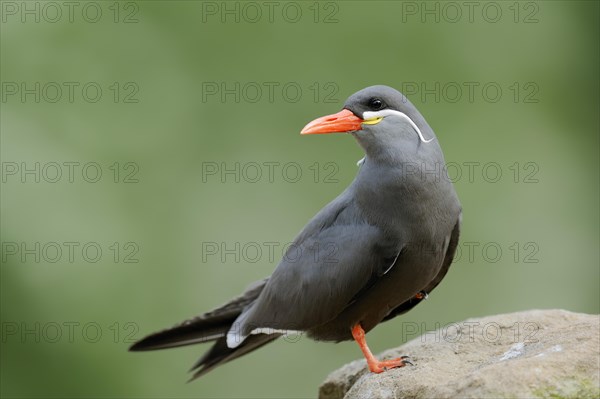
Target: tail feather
[(181, 335), (211, 326), (204, 328), (220, 353)]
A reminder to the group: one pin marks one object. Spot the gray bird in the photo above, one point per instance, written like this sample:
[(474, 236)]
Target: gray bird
[(373, 253)]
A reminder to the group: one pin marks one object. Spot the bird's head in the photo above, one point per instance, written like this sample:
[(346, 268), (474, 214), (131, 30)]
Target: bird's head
[(380, 117)]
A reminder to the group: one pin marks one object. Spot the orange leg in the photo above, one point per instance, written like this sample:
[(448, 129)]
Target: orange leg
[(375, 365)]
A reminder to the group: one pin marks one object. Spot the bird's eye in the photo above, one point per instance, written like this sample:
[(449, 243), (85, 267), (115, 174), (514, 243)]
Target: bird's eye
[(376, 104)]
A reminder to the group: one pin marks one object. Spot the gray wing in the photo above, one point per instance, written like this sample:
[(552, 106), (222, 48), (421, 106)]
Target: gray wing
[(448, 258), (332, 259)]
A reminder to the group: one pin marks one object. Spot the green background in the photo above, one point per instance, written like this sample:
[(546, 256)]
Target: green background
[(169, 52)]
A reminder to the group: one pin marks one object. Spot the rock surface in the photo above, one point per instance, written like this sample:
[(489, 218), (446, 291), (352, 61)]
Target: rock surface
[(534, 354)]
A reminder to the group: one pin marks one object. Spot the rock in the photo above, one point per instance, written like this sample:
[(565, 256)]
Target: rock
[(533, 354)]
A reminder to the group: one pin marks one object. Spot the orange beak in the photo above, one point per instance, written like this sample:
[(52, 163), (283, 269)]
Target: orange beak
[(342, 122)]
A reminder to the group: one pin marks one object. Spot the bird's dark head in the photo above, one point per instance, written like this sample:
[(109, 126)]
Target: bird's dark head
[(380, 117)]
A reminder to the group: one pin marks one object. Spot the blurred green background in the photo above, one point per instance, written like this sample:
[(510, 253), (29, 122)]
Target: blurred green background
[(162, 120)]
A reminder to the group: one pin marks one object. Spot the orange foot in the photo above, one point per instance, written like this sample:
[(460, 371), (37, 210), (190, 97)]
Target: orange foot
[(381, 366), (375, 365)]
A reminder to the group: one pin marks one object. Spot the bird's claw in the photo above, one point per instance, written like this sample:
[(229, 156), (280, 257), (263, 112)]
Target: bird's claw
[(384, 365), (405, 360)]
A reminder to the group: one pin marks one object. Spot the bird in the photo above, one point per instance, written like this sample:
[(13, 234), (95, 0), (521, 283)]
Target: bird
[(371, 254)]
